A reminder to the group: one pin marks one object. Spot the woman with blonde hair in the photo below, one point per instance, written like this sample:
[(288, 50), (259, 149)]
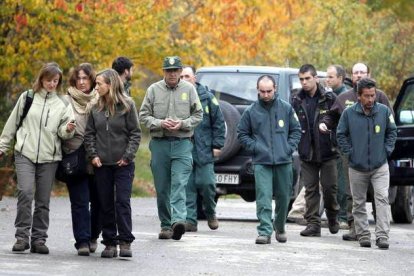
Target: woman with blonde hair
[(82, 187), (112, 138), (37, 154)]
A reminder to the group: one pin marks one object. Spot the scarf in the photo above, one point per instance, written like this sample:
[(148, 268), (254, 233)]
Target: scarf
[(81, 101)]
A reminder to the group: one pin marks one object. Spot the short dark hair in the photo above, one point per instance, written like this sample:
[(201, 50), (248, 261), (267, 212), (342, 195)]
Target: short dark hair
[(122, 63), (365, 83), (308, 68), (87, 69), (340, 71), (266, 77)]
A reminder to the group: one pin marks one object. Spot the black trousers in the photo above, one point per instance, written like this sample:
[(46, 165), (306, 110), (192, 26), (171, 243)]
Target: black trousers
[(114, 190), (325, 173)]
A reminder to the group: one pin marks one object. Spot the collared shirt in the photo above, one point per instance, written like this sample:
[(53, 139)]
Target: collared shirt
[(178, 103)]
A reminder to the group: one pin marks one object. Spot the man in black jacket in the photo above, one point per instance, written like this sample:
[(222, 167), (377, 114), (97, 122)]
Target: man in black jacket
[(316, 151)]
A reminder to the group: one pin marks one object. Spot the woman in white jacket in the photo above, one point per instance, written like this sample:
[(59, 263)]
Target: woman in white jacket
[(37, 153)]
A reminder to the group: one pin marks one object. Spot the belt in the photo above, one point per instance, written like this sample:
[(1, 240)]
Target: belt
[(171, 138)]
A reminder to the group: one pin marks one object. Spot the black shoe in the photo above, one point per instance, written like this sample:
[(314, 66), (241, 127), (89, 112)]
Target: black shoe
[(178, 230), (125, 249), (333, 226), (365, 242), (110, 251), (281, 236), (311, 230), (93, 245), (213, 223), (382, 243), (83, 249), (39, 247), (20, 246)]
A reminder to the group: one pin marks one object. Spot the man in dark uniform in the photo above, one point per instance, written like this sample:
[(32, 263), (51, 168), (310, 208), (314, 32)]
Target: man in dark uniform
[(209, 137), (316, 151), (171, 110)]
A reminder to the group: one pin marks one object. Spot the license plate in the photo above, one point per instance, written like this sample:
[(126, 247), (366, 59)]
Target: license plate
[(224, 178)]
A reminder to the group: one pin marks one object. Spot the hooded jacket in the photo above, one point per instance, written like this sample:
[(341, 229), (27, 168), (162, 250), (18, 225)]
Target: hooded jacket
[(39, 137)]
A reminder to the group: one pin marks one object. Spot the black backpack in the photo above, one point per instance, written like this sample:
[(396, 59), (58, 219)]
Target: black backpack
[(27, 105)]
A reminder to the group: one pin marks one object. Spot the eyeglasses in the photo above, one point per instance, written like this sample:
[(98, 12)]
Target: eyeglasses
[(359, 72), (185, 76)]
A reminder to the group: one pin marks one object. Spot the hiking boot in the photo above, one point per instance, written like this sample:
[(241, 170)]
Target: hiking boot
[(83, 249), (281, 236), (311, 230), (178, 230), (213, 222), (351, 235), (20, 246), (365, 242), (93, 245), (333, 226), (382, 243), (39, 247), (110, 251), (165, 234), (189, 227), (263, 240), (125, 249)]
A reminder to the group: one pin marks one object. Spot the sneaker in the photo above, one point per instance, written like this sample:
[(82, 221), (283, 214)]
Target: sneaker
[(39, 247), (93, 245), (213, 222), (382, 243), (281, 236), (333, 226), (83, 249), (263, 240), (351, 235), (165, 234), (365, 242), (178, 230), (343, 225), (110, 251), (20, 246), (125, 249), (189, 227), (311, 230)]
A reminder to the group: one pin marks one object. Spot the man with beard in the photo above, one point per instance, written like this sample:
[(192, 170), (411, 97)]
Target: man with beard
[(123, 66), (366, 134)]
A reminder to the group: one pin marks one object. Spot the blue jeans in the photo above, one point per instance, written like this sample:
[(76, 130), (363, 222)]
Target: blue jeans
[(85, 220), (114, 191)]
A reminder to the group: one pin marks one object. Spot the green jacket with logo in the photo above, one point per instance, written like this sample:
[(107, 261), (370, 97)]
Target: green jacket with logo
[(367, 139), (271, 131), (39, 137)]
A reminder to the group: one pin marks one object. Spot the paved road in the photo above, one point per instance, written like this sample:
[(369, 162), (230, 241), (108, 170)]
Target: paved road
[(228, 251)]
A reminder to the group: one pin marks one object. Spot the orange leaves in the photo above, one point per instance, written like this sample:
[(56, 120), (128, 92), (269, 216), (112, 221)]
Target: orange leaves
[(21, 21), (61, 4)]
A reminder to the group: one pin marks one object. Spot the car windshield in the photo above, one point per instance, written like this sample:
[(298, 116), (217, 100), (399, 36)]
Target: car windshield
[(405, 112), (240, 85)]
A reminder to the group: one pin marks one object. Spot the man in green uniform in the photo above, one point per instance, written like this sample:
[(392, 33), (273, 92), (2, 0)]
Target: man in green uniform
[(270, 129), (171, 110), (209, 137)]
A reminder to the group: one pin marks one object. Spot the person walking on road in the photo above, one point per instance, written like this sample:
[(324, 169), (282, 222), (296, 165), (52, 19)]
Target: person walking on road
[(112, 139), (316, 151), (37, 153), (270, 129), (367, 134), (82, 188), (171, 110), (209, 137)]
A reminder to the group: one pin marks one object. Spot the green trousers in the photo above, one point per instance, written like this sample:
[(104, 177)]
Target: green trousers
[(202, 179), (272, 181), (171, 164)]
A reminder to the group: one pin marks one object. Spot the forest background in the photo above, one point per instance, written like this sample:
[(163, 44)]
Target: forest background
[(285, 33)]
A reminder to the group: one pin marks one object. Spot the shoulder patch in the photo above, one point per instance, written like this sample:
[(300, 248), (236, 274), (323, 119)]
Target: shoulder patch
[(391, 117), (214, 101)]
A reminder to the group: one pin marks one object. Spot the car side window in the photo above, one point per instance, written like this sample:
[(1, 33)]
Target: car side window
[(405, 112)]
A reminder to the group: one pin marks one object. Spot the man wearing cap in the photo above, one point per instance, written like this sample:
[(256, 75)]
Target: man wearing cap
[(171, 110)]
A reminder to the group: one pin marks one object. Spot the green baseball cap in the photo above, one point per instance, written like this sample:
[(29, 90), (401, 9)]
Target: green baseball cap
[(173, 62)]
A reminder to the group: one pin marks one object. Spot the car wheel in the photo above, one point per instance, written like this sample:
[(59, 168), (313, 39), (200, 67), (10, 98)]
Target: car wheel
[(403, 208), (248, 196), (232, 118)]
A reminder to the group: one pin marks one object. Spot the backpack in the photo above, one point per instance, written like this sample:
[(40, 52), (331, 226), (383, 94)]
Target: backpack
[(27, 105)]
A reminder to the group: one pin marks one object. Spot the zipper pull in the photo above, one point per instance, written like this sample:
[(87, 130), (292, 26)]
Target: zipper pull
[(107, 119)]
